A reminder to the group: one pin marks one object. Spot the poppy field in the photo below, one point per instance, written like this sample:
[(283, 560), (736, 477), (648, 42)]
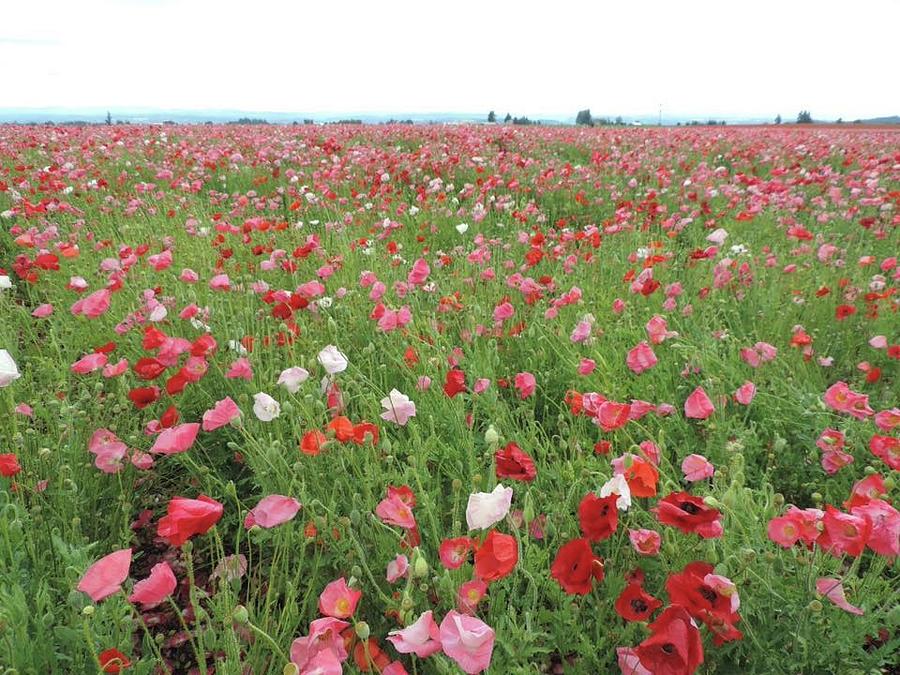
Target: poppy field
[(439, 399)]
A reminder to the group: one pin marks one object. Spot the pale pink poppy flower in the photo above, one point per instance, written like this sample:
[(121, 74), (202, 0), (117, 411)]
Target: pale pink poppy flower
[(423, 383), (42, 311), (658, 331), (581, 332), (156, 588), (422, 637), (629, 662), (394, 668), (885, 519), (468, 641), (230, 567), (745, 393), (718, 236), (833, 589), (641, 358), (888, 420), (189, 276), (240, 370), (766, 351), (222, 413), (324, 639), (333, 360), (292, 378), (481, 385), (503, 311), (90, 363), (878, 342), (698, 406), (484, 509), (645, 542), (105, 577), (176, 439), (835, 460), (338, 600), (525, 383), (272, 511), (108, 450), (24, 409), (220, 282), (115, 369), (141, 460), (397, 568), (397, 408), (696, 467)]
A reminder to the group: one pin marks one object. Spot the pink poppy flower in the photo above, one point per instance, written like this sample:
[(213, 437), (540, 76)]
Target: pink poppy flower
[(885, 519), (696, 467), (397, 568), (419, 272), (394, 668), (397, 408), (641, 358), (833, 589), (115, 369), (887, 420), (645, 542), (581, 332), (745, 393), (698, 406), (338, 600), (423, 383), (586, 366), (324, 638), (90, 363), (422, 637), (470, 594), (468, 641), (503, 311), (481, 385), (240, 370), (42, 311), (156, 588), (222, 413), (25, 409), (393, 510), (271, 511), (176, 439), (220, 282), (105, 576), (108, 450), (94, 305), (629, 662), (658, 331), (525, 383)]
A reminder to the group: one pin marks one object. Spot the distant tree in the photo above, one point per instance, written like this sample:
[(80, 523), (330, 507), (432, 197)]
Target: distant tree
[(804, 117), (309, 121), (840, 120), (108, 119), (508, 118), (583, 118), (619, 120), (492, 116), (778, 118)]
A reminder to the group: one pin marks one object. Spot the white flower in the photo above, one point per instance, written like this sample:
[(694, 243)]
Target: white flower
[(236, 346), (292, 378), (265, 407), (332, 360), (618, 486), (462, 227), (486, 508), (325, 302), (5, 282), (9, 372)]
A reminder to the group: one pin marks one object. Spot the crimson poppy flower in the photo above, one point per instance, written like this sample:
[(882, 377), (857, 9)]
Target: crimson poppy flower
[(141, 397), (598, 516), (701, 593), (576, 567), (635, 604), (496, 556), (674, 646), (513, 462), (689, 514), (148, 368), (312, 442)]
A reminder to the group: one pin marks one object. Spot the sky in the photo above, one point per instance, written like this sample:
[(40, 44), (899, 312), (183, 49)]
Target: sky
[(542, 59)]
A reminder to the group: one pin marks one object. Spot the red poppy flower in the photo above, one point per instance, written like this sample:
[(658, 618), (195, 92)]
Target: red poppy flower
[(674, 646), (641, 477), (513, 462), (598, 516), (9, 465), (113, 661), (148, 368), (455, 383), (187, 517), (454, 552), (635, 604), (576, 567), (496, 557), (689, 514), (364, 431), (143, 396), (342, 428), (704, 601), (312, 442)]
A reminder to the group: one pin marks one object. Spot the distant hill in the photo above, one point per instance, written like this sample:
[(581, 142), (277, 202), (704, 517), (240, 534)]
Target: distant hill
[(893, 119)]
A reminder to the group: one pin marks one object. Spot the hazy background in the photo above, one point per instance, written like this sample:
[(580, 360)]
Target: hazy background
[(696, 58)]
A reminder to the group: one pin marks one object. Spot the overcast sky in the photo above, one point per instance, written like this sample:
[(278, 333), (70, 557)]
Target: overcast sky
[(694, 57)]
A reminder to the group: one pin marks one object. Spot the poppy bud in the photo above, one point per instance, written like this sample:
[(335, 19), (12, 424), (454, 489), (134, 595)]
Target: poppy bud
[(778, 500), (356, 571), (709, 500), (889, 483), (491, 437), (407, 603), (456, 484), (476, 480), (869, 470), (187, 546), (240, 615), (420, 568), (815, 606), (44, 453), (354, 517), (290, 669), (362, 630), (816, 497), (528, 510), (88, 611)]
